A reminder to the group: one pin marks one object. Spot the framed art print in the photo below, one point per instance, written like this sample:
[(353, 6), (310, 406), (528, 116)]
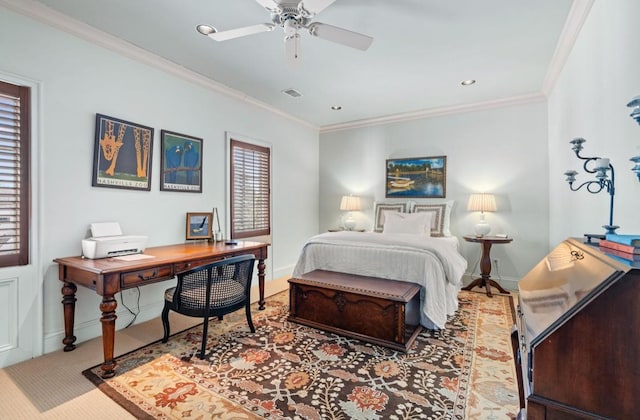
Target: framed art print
[(181, 162), (199, 225), (122, 154), (424, 177)]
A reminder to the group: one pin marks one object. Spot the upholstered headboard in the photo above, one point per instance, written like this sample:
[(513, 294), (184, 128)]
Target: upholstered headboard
[(440, 220)]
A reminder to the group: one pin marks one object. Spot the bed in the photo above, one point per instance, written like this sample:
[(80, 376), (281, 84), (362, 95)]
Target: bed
[(402, 246)]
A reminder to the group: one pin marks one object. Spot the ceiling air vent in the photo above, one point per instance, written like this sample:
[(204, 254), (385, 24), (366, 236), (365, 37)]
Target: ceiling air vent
[(292, 92)]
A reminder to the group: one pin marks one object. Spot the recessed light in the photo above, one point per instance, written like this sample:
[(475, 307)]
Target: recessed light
[(336, 107), (467, 82), (206, 29)]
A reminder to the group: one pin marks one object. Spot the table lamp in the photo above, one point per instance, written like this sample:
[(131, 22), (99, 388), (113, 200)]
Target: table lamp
[(350, 203), (482, 202)]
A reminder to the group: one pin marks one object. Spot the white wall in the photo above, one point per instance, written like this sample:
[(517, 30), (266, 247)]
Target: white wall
[(589, 100), (502, 151), (78, 80), (513, 152)]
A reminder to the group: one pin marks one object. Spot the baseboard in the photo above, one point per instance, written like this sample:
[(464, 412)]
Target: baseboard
[(282, 272), (93, 328), (270, 288)]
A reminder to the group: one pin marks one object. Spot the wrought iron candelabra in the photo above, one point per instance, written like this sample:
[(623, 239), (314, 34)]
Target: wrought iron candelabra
[(600, 167)]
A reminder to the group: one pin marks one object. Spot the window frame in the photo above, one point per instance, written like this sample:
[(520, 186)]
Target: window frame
[(236, 141), (22, 256)]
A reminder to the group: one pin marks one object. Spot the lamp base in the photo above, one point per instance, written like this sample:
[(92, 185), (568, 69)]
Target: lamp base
[(482, 229), (610, 228), (349, 223)]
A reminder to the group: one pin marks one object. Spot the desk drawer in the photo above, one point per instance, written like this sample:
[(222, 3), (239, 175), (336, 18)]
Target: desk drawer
[(184, 266), (140, 277)]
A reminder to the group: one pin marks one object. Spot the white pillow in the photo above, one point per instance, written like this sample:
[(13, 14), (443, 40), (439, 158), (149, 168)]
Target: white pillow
[(412, 223), (440, 224), (381, 209)]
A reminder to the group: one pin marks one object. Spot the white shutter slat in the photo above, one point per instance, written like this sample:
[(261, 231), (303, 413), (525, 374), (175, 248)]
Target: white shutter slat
[(250, 192), (13, 249)]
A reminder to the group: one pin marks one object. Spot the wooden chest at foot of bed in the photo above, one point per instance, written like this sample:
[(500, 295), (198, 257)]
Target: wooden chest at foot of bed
[(380, 311)]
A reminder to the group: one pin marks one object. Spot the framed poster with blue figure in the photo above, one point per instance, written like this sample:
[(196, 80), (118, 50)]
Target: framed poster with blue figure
[(181, 161)]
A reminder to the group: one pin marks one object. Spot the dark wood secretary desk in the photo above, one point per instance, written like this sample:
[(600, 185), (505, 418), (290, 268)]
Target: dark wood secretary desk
[(109, 276)]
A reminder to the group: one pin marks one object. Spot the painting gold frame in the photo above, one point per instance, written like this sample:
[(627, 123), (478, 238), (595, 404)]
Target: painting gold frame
[(422, 177)]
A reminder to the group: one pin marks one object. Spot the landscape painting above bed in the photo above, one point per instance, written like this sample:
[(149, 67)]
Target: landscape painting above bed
[(423, 177)]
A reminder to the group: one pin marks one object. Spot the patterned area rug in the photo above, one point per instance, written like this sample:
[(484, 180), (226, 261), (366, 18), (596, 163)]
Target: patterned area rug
[(286, 370)]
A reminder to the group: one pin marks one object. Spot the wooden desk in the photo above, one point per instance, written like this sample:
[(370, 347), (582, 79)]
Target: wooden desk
[(109, 276), (485, 279)]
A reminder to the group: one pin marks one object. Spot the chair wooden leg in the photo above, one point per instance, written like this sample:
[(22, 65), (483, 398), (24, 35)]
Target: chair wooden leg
[(205, 330), (249, 321), (165, 322)]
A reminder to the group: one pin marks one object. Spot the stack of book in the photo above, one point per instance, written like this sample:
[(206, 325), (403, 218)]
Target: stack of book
[(625, 248)]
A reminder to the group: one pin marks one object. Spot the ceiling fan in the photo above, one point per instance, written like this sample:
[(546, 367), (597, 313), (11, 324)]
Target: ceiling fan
[(291, 16)]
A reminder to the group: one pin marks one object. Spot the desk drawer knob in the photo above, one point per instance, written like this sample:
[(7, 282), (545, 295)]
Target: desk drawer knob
[(152, 276)]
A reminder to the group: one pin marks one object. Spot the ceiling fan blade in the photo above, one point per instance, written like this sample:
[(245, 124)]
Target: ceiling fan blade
[(270, 5), (315, 6), (340, 35), (239, 32)]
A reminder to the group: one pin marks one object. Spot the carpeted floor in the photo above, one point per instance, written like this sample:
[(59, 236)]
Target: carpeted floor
[(286, 370)]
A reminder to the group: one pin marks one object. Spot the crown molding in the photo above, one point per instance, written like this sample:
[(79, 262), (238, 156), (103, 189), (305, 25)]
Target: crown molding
[(575, 20), (573, 25), (436, 112), (51, 17)]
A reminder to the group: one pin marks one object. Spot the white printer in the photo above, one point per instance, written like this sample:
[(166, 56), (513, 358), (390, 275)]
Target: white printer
[(107, 240)]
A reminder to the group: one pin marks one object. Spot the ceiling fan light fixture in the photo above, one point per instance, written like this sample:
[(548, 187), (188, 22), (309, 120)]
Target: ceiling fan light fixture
[(290, 27), (206, 29)]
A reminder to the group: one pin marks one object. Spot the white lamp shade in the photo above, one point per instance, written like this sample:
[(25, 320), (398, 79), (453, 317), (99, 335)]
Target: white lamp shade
[(350, 203), (482, 202)]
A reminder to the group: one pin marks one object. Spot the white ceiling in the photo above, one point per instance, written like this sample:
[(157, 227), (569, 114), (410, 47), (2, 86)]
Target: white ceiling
[(422, 50)]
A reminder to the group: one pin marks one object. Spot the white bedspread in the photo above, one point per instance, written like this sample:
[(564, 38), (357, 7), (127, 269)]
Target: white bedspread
[(433, 263)]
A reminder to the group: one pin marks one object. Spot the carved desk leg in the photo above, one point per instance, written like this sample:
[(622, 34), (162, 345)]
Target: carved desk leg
[(69, 307), (261, 267), (108, 320)]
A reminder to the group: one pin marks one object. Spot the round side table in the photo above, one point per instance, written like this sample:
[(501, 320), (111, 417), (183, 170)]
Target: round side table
[(485, 262)]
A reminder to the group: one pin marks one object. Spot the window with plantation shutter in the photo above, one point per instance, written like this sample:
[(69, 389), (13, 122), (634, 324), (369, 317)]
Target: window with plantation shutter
[(14, 175), (250, 190)]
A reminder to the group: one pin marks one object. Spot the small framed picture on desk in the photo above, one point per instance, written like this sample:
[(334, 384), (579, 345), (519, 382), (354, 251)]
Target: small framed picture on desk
[(199, 225)]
